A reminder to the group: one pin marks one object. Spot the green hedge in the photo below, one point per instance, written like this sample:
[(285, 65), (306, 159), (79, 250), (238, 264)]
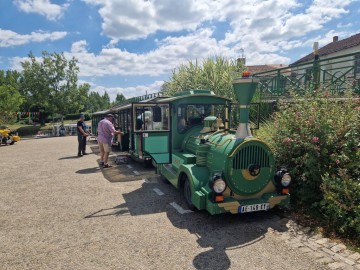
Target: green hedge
[(318, 138), (28, 130), (76, 116)]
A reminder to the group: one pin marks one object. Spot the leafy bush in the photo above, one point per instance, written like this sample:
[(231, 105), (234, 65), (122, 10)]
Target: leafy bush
[(318, 138), (28, 130)]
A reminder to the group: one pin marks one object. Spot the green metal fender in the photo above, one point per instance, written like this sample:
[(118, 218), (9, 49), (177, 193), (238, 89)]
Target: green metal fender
[(198, 177)]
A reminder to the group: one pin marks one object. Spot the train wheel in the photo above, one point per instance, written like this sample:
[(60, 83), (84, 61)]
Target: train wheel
[(188, 195)]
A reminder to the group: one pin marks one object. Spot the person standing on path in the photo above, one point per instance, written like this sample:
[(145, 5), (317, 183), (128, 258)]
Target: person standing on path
[(106, 132), (82, 134)]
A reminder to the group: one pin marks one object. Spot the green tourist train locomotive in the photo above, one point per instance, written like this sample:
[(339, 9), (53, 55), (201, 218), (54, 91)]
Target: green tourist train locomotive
[(188, 140)]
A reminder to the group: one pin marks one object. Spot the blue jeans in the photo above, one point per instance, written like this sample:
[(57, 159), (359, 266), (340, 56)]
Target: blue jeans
[(82, 144)]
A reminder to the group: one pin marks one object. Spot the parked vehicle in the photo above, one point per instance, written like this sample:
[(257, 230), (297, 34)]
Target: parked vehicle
[(8, 137), (188, 140)]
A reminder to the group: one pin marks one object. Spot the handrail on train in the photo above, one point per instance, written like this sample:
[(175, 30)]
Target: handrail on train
[(141, 98)]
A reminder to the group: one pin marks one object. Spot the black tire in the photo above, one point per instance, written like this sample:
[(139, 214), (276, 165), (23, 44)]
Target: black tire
[(12, 143), (188, 194)]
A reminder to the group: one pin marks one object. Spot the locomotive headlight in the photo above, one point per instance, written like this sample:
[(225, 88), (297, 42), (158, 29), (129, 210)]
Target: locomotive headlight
[(219, 186), (285, 180)]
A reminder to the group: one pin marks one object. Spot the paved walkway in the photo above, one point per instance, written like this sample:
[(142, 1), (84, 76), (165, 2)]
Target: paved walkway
[(58, 211)]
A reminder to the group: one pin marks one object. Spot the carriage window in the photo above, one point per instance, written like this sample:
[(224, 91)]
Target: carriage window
[(193, 114), (151, 117)]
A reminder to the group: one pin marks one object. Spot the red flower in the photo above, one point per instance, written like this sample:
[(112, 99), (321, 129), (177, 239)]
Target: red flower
[(315, 139), (337, 162)]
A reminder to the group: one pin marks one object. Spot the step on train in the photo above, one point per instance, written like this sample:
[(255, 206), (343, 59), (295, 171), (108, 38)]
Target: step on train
[(188, 139)]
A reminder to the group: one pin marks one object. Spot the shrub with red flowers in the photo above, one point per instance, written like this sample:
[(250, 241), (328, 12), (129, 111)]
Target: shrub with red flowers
[(318, 138)]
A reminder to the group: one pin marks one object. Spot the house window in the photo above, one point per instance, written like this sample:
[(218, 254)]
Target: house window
[(357, 63)]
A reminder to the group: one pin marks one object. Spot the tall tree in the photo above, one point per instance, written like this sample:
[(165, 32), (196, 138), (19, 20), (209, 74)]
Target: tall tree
[(119, 99), (105, 100), (96, 102), (10, 98), (10, 101), (10, 77), (52, 83)]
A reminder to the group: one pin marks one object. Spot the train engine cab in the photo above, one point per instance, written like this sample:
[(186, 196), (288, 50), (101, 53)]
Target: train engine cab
[(219, 169)]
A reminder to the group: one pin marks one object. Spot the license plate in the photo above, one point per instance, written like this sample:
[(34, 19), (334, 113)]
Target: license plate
[(254, 207)]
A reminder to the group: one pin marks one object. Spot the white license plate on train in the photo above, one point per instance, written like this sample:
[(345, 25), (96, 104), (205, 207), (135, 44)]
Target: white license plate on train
[(254, 207)]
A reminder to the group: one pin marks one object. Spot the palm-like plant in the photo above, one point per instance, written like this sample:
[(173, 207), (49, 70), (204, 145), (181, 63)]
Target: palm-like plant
[(213, 73)]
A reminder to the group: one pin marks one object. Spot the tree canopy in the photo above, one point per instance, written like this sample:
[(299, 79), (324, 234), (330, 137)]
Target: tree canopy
[(119, 99), (52, 83), (97, 102), (48, 84), (10, 97)]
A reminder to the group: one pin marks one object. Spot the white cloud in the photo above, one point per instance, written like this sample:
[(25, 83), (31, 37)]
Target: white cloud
[(10, 38), (327, 37), (43, 7), (133, 19), (265, 30), (268, 28), (273, 26), (128, 92), (269, 20), (344, 25), (170, 52)]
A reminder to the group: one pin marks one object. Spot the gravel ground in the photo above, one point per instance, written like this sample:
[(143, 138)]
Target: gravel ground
[(58, 211)]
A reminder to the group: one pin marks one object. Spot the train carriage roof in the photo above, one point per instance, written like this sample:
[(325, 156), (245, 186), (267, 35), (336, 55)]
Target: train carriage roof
[(162, 99), (193, 93), (101, 112)]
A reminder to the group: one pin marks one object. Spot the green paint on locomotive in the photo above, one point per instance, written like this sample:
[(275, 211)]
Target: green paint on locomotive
[(201, 153), (192, 147)]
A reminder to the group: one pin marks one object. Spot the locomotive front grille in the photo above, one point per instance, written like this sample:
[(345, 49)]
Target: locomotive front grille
[(252, 154)]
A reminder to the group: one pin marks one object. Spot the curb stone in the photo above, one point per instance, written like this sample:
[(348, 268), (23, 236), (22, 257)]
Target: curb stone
[(339, 265), (355, 257), (327, 252)]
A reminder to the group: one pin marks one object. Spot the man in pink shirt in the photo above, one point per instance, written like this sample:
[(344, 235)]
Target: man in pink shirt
[(106, 132)]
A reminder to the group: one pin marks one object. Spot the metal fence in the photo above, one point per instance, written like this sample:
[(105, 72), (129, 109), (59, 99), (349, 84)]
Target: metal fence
[(335, 74)]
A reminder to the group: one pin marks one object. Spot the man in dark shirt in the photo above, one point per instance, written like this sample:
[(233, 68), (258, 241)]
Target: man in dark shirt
[(82, 134)]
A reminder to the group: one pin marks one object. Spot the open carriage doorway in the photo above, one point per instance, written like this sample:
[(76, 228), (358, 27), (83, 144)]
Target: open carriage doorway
[(152, 130)]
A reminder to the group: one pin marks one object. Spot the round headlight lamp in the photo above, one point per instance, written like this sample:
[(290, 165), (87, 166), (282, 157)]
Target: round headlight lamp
[(286, 180), (219, 185)]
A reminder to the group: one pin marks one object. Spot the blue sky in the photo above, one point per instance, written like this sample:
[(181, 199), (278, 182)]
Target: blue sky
[(131, 46)]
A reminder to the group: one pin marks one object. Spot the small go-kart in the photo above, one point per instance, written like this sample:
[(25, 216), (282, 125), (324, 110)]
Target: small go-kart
[(7, 137)]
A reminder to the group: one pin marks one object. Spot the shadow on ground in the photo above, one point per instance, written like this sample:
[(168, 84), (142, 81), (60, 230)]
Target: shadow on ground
[(70, 157), (125, 172), (89, 170), (219, 233)]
